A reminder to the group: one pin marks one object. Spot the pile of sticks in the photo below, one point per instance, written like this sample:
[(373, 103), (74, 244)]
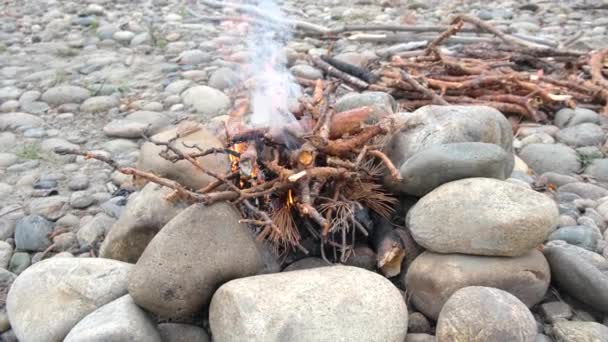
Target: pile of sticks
[(317, 182)]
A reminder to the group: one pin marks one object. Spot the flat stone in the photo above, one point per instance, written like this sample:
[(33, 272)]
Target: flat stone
[(19, 121), (433, 278), (9, 93), (119, 320), (306, 71), (65, 94), (256, 307), (509, 220), (7, 159), (478, 313), (177, 87), (585, 190), (99, 104), (66, 289), (193, 57), (124, 129), (579, 331), (557, 158)]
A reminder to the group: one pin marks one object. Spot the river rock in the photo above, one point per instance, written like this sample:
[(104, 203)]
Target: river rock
[(94, 230), (551, 158), (567, 117), (288, 306), (196, 252), (598, 169), (175, 332), (585, 134), (6, 280), (207, 101), (50, 297), (224, 78), (440, 164), (433, 278), (581, 236), (306, 71), (565, 331), (20, 261), (382, 103), (19, 121), (584, 190), (6, 252), (119, 320), (509, 220), (478, 313), (51, 208), (32, 233), (65, 94), (145, 214), (183, 171), (439, 125), (580, 273), (99, 104)]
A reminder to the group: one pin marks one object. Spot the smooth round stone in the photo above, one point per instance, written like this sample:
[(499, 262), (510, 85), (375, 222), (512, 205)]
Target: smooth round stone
[(509, 220), (81, 200), (78, 182), (153, 106), (306, 71), (177, 87), (557, 158), (123, 36), (224, 78), (64, 94), (10, 106), (585, 134), (45, 184), (7, 159), (581, 236), (20, 261), (478, 313), (99, 104), (31, 233)]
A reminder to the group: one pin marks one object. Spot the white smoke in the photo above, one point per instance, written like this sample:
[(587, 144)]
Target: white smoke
[(274, 87)]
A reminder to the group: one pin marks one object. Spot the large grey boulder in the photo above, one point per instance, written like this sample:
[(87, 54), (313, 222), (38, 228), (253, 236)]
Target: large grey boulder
[(183, 171), (195, 253), (338, 303), (119, 320), (565, 331), (551, 158), (440, 164), (431, 126), (145, 214), (433, 278), (482, 216), (580, 273), (51, 296), (478, 314)]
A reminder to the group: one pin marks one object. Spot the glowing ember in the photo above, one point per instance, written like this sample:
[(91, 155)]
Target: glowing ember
[(290, 199)]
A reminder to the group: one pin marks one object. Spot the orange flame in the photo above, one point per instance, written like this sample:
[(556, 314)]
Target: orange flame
[(290, 200)]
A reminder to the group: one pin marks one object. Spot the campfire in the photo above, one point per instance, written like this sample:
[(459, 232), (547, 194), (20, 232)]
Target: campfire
[(307, 177)]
